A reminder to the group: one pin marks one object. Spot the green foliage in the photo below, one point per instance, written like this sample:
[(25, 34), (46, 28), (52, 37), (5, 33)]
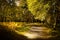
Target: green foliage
[(38, 8), (13, 12)]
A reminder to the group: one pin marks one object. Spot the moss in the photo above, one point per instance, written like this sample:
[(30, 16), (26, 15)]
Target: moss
[(23, 29)]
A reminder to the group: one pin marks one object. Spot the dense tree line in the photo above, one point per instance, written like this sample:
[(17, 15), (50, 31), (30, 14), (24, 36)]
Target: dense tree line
[(15, 10), (28, 10)]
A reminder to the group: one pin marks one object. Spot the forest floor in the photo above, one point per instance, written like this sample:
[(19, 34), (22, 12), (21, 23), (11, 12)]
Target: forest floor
[(30, 30)]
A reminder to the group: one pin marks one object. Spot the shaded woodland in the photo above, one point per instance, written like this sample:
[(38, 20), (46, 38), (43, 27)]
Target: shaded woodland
[(29, 11)]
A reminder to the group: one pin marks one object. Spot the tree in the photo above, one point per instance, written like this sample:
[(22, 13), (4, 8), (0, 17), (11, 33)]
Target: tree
[(38, 8), (14, 10), (43, 10)]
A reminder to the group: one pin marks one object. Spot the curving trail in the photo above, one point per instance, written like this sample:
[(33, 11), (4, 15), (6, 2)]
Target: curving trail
[(36, 30)]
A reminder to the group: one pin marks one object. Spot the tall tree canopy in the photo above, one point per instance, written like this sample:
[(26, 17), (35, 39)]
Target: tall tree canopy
[(38, 8)]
